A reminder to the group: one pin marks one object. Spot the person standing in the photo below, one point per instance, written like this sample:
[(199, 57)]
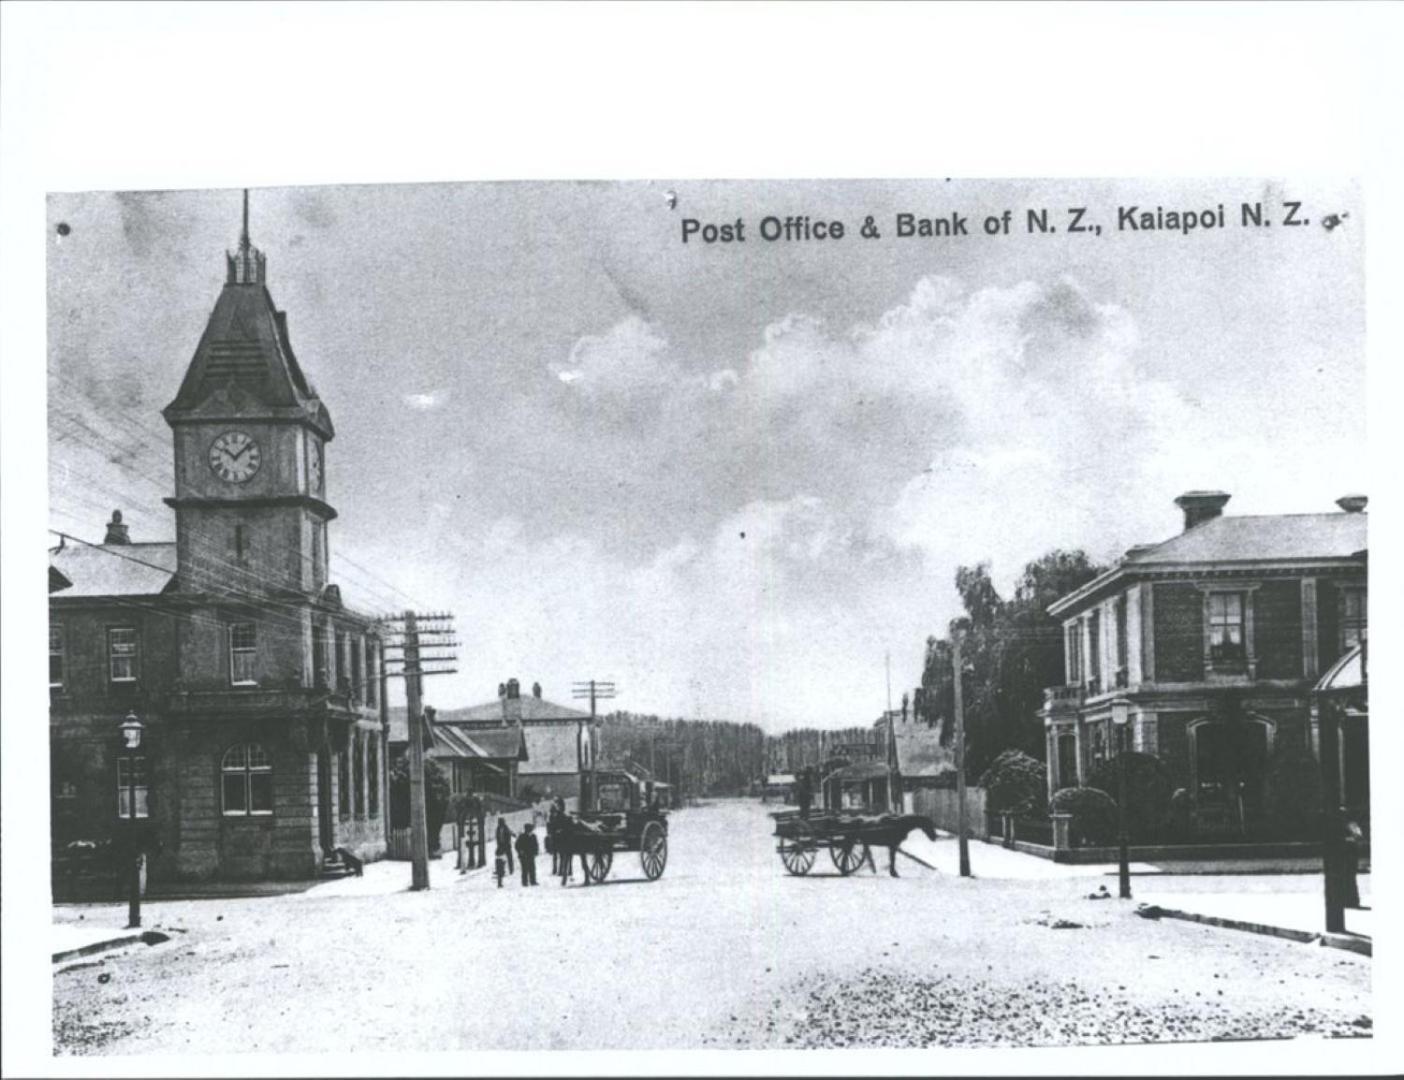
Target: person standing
[(504, 851), (527, 849), (804, 790)]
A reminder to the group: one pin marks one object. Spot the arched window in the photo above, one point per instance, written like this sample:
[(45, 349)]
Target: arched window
[(246, 779)]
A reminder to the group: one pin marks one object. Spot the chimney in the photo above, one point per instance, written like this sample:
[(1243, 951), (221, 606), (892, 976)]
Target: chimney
[(536, 690), (1201, 506), (116, 531), (1352, 504), (514, 690)]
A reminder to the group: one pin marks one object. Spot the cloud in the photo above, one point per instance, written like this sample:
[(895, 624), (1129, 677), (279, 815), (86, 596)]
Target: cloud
[(628, 360), (424, 401)]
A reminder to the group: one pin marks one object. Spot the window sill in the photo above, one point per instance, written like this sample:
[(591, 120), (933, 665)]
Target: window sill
[(244, 685)]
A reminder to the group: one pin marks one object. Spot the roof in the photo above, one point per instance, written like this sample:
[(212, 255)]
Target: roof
[(526, 708), (1265, 538), (920, 753), (113, 569), (1347, 673), (503, 744), (245, 353)]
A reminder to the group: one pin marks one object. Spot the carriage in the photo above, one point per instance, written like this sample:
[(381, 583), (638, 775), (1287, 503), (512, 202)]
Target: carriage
[(848, 837), (629, 816)]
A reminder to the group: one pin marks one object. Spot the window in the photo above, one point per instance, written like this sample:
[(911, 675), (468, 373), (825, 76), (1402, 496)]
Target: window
[(1094, 649), (1353, 618), (1121, 641), (357, 676), (55, 657), (372, 675), (1074, 635), (246, 777), (358, 764), (122, 654), (1226, 628), (373, 771), (243, 645), (131, 786), (343, 781)]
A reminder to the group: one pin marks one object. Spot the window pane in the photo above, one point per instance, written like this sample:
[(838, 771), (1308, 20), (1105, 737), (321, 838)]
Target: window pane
[(258, 759), (241, 666), (141, 805), (235, 801), (244, 635), (122, 804), (236, 757), (261, 792)]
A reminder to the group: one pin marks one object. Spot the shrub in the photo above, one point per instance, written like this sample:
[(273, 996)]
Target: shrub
[(1015, 783), (1148, 791), (1093, 814)]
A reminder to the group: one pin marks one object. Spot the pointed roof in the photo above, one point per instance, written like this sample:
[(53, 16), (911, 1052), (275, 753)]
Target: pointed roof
[(245, 359)]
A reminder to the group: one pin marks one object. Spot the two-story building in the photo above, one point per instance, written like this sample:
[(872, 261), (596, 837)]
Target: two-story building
[(1210, 643), (261, 696)]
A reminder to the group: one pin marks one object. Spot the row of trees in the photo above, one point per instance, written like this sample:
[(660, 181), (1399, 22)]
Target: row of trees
[(1012, 649), (700, 757)]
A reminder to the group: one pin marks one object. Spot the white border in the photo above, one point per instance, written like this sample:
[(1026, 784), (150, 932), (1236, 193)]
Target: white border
[(120, 96)]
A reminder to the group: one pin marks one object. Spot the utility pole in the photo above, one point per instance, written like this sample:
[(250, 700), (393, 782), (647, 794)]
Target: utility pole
[(962, 824), (412, 668), (596, 691)]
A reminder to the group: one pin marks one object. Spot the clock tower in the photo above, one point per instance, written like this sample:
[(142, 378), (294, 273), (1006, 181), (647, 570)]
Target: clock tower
[(250, 439)]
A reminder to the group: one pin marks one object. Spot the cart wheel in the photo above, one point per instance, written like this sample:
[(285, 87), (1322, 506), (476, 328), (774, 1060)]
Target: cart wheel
[(848, 856), (798, 858), (597, 865), (653, 850)]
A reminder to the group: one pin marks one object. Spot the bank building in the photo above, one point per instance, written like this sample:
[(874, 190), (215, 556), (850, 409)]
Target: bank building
[(213, 691)]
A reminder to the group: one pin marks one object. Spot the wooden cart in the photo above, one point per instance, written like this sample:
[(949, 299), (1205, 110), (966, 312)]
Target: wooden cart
[(630, 821), (848, 837)]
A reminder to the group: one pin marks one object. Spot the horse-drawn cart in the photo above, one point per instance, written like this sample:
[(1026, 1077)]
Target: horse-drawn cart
[(848, 838), (633, 821)]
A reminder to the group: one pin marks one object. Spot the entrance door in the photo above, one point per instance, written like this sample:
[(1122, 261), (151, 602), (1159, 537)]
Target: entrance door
[(1230, 770), (325, 833)]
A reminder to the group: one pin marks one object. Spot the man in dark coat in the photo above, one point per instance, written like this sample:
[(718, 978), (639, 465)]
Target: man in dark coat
[(527, 849), (804, 790), (504, 850)]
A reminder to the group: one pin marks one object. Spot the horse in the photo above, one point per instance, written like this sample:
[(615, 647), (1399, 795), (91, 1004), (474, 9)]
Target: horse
[(891, 831)]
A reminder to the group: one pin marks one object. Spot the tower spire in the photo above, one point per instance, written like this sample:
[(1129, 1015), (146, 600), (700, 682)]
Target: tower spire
[(247, 266)]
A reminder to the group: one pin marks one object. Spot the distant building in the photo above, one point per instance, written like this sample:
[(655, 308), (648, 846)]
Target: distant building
[(558, 740), (1213, 640), (260, 694)]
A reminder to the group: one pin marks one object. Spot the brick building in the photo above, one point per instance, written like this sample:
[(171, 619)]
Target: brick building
[(261, 695), (1213, 640)]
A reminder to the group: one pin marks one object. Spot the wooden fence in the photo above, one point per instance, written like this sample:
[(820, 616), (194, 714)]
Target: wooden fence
[(941, 806)]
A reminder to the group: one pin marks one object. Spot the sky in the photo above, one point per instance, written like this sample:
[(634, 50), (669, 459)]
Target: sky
[(732, 478)]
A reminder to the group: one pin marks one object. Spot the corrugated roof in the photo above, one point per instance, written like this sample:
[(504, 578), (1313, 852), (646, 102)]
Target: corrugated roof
[(114, 569), (1265, 537), (920, 753), (501, 744)]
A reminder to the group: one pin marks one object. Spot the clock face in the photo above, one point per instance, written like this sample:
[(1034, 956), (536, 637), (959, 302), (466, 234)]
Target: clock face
[(234, 456), (314, 466)]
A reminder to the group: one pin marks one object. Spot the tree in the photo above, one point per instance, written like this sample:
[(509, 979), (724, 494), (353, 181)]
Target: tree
[(436, 796), (1012, 650)]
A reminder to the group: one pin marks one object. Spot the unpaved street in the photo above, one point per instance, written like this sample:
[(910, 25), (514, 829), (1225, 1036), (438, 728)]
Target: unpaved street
[(725, 950)]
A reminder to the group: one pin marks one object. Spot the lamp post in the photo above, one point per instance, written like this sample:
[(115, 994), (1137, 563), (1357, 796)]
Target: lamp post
[(131, 729), (1121, 717)]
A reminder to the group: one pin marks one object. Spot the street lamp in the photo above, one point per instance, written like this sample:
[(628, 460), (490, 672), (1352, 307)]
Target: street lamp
[(1121, 717), (131, 729)]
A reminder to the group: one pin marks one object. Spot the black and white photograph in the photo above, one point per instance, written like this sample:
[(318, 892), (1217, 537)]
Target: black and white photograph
[(648, 612)]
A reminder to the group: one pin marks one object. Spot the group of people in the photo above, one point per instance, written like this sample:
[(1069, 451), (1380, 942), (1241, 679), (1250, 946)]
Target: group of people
[(527, 847)]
